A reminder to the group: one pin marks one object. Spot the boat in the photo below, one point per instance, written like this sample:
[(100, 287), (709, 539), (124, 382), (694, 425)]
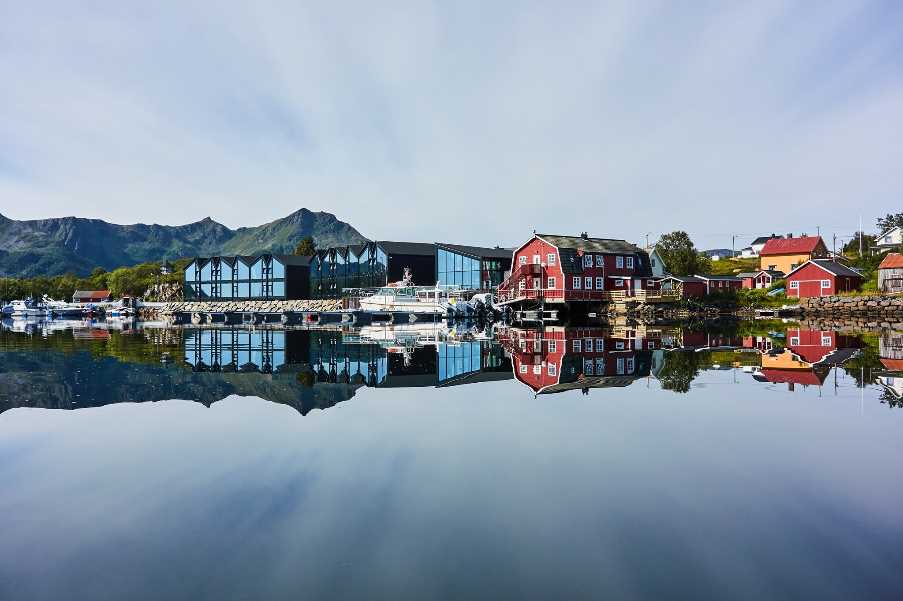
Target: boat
[(62, 309), (27, 308), (404, 296)]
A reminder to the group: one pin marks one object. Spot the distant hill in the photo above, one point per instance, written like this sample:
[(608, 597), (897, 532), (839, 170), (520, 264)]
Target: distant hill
[(75, 245)]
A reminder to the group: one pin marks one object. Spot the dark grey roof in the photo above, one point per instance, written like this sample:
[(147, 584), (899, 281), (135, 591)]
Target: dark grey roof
[(591, 382), (834, 267), (722, 278), (763, 239), (407, 248), (683, 278), (598, 245), (570, 260), (773, 273), (748, 274), (479, 251)]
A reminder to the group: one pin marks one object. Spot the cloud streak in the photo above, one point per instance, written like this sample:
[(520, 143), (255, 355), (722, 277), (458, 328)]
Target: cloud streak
[(467, 122)]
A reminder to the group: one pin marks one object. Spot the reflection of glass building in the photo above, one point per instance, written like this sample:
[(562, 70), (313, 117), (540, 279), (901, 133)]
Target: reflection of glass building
[(241, 278), (376, 264), (332, 357)]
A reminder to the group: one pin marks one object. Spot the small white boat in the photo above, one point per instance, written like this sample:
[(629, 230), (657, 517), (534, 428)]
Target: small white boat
[(27, 308), (412, 299), (61, 309)]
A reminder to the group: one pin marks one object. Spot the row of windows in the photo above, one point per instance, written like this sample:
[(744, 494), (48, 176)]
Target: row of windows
[(588, 260), (235, 289), (623, 365), (825, 284), (217, 269)]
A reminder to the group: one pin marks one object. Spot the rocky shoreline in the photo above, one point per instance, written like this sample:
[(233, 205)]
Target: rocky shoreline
[(873, 308)]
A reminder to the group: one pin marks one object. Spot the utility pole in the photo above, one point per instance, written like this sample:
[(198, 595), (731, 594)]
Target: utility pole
[(733, 244), (860, 236)]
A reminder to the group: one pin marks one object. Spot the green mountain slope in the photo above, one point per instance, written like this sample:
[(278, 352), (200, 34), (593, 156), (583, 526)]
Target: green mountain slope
[(76, 245)]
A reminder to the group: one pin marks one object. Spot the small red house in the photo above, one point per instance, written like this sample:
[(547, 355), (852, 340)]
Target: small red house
[(761, 279), (563, 269), (91, 296), (822, 277), (687, 286), (720, 283)]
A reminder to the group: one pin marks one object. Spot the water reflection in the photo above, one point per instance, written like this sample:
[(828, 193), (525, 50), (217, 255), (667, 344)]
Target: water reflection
[(90, 364)]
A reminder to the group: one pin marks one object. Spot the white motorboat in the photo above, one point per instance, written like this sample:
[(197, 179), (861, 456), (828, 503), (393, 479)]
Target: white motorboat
[(411, 299), (60, 309), (27, 308)]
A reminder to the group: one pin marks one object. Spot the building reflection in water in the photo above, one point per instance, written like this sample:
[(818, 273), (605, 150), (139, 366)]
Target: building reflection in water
[(395, 359)]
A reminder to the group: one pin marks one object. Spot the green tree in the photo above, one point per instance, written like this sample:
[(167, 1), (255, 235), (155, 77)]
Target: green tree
[(306, 247), (680, 255), (679, 370), (888, 221)]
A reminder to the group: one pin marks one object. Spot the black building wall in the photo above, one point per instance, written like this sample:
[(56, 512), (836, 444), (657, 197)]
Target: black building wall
[(422, 266)]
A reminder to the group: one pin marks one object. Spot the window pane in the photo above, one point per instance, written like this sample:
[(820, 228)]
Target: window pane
[(205, 271), (257, 269), (256, 289), (278, 269), (279, 288)]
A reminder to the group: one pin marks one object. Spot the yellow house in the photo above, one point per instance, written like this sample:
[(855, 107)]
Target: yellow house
[(786, 254)]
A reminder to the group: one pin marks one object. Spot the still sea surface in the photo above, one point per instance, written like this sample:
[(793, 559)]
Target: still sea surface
[(624, 461)]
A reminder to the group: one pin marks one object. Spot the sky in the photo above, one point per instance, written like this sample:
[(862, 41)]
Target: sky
[(468, 122)]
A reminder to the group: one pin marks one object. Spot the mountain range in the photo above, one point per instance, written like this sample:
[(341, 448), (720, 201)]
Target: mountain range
[(48, 247)]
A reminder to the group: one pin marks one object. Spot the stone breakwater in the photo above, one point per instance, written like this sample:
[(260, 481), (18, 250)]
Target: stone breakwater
[(265, 306), (886, 307)]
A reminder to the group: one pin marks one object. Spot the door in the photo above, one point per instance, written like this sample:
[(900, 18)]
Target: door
[(637, 285)]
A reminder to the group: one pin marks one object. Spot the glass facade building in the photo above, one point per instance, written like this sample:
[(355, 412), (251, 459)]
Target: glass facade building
[(376, 264), (246, 278)]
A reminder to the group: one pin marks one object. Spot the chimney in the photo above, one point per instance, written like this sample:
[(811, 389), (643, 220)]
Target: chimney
[(789, 236), (584, 235)]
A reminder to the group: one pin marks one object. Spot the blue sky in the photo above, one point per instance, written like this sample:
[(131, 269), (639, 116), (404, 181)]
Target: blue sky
[(471, 122)]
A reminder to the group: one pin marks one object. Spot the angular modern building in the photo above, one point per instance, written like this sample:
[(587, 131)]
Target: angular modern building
[(277, 277), (376, 264)]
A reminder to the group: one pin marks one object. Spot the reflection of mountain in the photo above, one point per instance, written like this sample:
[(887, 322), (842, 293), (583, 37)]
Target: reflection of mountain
[(305, 369)]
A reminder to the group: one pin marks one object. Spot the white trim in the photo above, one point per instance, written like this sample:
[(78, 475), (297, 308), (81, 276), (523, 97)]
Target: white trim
[(600, 282), (550, 258), (629, 262), (588, 282), (619, 262), (577, 282)]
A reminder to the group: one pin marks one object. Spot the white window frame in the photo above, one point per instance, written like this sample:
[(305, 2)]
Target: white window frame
[(794, 285), (794, 341), (619, 345), (577, 345), (550, 283), (630, 365), (650, 284), (619, 283), (620, 366), (600, 345), (587, 345), (588, 367), (600, 260), (619, 262), (537, 259), (600, 283), (522, 260), (552, 369), (577, 281), (629, 262), (588, 283), (825, 340), (522, 284), (600, 366), (553, 346), (587, 260), (825, 284), (523, 368), (537, 369), (550, 259)]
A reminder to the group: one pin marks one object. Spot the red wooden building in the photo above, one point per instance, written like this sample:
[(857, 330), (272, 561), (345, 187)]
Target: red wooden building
[(686, 286), (822, 277), (565, 269), (720, 283), (761, 279)]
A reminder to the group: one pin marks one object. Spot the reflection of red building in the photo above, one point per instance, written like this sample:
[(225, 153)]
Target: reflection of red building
[(817, 346), (808, 358), (559, 358)]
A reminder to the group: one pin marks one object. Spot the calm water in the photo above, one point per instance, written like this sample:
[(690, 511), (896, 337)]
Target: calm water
[(728, 461)]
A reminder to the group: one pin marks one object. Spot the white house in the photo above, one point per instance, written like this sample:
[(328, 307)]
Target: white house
[(752, 251), (656, 262), (892, 238)]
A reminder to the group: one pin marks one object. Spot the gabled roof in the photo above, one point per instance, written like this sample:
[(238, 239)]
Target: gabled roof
[(596, 245), (831, 266), (790, 246), (684, 278), (407, 248), (748, 274), (479, 251), (775, 273), (724, 278), (762, 240), (806, 377), (892, 261), (883, 234)]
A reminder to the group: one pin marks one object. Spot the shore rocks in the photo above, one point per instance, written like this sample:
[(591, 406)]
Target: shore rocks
[(255, 306), (875, 306)]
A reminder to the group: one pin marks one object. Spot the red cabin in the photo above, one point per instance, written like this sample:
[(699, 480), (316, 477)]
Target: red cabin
[(563, 269), (720, 283), (686, 286), (763, 278), (822, 277)]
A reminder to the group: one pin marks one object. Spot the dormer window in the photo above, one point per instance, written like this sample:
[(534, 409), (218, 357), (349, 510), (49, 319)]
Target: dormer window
[(587, 260), (629, 262), (619, 262)]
